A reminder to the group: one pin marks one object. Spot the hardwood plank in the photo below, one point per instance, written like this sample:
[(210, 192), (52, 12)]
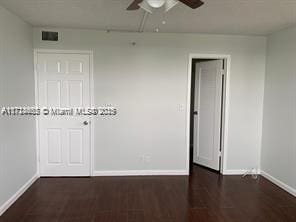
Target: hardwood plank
[(204, 196)]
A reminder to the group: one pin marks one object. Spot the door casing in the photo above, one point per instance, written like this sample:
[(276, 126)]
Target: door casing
[(91, 93), (225, 121)]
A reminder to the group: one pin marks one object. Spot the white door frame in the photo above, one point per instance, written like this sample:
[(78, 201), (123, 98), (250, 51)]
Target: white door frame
[(225, 123), (92, 103)]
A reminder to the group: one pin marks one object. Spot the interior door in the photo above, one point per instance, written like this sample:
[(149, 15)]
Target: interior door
[(64, 82), (207, 115)]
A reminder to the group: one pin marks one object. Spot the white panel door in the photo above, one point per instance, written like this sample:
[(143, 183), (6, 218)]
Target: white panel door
[(207, 118), (64, 82)]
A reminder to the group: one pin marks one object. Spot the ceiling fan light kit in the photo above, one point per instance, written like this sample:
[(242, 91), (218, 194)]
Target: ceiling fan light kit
[(148, 5), (155, 3)]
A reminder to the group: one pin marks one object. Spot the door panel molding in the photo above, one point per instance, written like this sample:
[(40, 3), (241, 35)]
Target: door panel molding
[(78, 69)]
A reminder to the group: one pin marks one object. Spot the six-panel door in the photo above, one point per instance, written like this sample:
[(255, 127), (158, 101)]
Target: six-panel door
[(64, 140)]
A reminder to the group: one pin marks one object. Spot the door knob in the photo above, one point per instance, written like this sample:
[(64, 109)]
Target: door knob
[(195, 113), (85, 123)]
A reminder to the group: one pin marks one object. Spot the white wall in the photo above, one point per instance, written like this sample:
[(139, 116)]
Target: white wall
[(278, 157), (17, 135), (148, 83)]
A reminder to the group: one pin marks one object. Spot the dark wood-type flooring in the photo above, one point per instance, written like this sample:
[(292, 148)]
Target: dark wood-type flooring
[(204, 196)]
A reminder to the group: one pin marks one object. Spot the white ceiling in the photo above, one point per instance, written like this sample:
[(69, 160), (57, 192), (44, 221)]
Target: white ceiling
[(244, 17)]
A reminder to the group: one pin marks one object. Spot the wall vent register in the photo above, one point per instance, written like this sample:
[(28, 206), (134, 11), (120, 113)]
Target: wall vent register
[(50, 36)]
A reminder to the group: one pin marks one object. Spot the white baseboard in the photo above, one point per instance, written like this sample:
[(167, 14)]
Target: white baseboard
[(20, 192), (279, 183), (234, 172), (238, 172), (141, 173)]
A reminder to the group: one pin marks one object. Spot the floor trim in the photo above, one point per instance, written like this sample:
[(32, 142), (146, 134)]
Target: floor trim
[(279, 183), (234, 172), (19, 193), (141, 173)]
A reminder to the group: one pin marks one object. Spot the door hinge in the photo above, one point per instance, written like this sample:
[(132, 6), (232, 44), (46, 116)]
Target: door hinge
[(220, 153)]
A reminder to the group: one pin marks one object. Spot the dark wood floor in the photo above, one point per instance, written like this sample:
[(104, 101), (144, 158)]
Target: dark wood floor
[(204, 196)]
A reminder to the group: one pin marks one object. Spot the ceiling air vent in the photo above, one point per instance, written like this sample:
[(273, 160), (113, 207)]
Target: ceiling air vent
[(50, 36)]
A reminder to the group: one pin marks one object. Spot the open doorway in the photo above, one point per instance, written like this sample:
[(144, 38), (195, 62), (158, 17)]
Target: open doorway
[(208, 91)]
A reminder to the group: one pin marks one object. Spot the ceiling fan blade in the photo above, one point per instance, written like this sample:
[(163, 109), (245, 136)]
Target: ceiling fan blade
[(192, 3), (134, 5)]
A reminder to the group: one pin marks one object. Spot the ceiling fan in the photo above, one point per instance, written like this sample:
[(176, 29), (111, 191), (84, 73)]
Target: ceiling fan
[(148, 5)]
